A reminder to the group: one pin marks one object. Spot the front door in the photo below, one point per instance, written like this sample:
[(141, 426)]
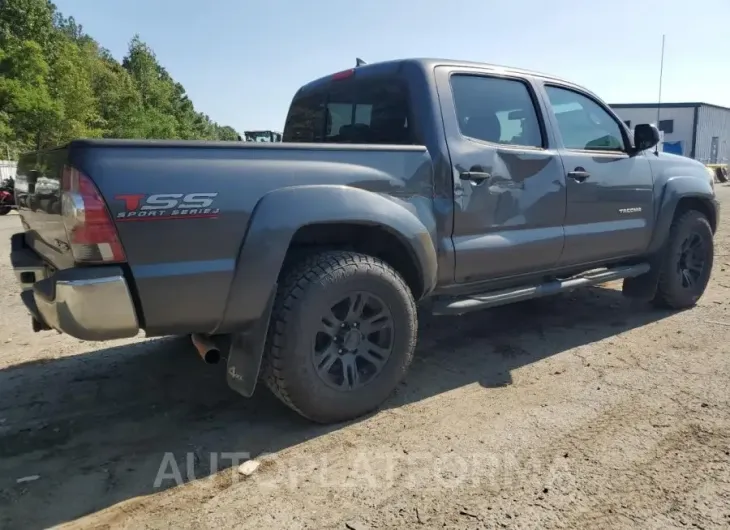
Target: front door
[(509, 189), (610, 203)]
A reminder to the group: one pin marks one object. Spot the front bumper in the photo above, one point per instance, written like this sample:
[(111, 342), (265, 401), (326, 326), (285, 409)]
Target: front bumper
[(91, 303)]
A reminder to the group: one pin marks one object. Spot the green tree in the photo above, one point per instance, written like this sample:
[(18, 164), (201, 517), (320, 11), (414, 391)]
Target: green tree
[(57, 83), (117, 99), (27, 20), (27, 109), (227, 133), (70, 84)]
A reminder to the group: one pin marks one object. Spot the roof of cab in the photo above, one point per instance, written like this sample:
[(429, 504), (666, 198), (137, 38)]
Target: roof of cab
[(430, 63)]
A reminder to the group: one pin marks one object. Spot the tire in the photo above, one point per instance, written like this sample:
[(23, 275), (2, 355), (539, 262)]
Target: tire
[(690, 230), (4, 210), (310, 325), (721, 174)]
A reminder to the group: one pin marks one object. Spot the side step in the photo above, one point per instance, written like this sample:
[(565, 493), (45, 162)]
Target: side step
[(458, 306)]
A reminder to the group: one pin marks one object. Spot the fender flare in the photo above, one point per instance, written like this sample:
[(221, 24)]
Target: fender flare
[(277, 217), (676, 189)]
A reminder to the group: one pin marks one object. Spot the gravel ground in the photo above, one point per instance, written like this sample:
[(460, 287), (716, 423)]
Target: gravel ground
[(579, 411)]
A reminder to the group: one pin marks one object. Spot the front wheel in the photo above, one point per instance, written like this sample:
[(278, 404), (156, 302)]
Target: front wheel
[(687, 263), (4, 210), (341, 337)]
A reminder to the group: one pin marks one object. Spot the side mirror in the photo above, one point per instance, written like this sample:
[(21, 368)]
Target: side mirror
[(646, 136)]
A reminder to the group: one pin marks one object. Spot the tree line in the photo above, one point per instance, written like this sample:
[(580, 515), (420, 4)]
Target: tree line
[(57, 83)]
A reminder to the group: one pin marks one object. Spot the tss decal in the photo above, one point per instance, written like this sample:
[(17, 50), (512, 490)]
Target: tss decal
[(167, 206)]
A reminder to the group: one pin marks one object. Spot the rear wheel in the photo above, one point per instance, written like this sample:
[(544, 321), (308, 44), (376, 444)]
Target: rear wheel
[(341, 337), (688, 261)]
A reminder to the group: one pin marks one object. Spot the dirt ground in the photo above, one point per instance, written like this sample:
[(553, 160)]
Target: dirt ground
[(580, 411)]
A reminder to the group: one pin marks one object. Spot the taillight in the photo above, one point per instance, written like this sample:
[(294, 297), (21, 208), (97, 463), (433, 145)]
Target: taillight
[(89, 226)]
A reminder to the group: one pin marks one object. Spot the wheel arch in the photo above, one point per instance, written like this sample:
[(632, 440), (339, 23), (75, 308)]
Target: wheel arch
[(288, 220), (700, 204), (679, 195), (672, 207), (376, 240)]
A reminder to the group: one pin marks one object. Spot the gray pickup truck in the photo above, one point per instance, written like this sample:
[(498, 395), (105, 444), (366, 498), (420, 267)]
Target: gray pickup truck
[(448, 185)]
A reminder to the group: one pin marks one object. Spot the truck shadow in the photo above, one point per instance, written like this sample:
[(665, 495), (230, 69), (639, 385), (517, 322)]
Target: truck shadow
[(96, 426)]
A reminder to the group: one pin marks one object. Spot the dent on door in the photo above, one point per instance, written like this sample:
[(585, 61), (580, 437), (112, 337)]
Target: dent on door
[(510, 221), (509, 197)]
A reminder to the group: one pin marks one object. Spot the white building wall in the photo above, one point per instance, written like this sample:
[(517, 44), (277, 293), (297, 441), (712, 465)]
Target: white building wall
[(683, 122), (713, 122), (7, 169)]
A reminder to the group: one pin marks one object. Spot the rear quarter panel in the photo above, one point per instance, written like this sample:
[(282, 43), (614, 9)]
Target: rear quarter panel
[(183, 266)]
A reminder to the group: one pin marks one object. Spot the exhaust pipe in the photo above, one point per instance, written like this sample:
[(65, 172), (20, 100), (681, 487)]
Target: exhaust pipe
[(207, 349)]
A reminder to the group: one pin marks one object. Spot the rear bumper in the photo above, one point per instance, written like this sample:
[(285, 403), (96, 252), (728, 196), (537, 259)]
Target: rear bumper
[(87, 303)]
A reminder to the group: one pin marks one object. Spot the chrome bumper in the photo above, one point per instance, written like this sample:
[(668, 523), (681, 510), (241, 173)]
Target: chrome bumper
[(98, 308), (91, 303)]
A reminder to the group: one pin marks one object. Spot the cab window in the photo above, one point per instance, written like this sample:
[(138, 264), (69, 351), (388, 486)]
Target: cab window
[(583, 124), (496, 110)]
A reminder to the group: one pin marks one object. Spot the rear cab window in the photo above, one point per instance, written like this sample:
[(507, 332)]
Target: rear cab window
[(367, 110)]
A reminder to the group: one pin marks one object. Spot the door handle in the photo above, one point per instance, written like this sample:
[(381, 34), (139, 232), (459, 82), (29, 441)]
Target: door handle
[(475, 176), (578, 174)]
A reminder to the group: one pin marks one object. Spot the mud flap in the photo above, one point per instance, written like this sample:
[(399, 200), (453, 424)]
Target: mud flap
[(246, 353)]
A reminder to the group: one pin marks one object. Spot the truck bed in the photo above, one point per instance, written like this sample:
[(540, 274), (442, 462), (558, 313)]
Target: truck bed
[(182, 208)]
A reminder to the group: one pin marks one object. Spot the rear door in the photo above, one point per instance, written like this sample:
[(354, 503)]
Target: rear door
[(609, 189), (509, 189)]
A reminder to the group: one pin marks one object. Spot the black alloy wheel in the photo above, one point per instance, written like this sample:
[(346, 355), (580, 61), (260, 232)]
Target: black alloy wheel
[(692, 260), (354, 341), (687, 263)]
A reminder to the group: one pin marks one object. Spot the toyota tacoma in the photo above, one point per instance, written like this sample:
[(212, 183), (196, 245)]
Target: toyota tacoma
[(446, 185)]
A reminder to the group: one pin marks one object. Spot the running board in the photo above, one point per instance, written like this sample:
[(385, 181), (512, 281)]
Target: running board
[(458, 306)]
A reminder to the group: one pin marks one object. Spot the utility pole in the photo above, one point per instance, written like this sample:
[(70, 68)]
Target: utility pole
[(659, 99)]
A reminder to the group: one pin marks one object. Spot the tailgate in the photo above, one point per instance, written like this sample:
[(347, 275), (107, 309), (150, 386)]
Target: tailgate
[(38, 196)]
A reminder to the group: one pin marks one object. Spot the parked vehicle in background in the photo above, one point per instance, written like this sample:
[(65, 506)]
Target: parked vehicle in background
[(7, 195), (262, 136), (453, 185)]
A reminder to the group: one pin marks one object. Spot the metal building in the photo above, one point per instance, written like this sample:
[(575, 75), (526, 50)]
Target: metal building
[(697, 130)]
